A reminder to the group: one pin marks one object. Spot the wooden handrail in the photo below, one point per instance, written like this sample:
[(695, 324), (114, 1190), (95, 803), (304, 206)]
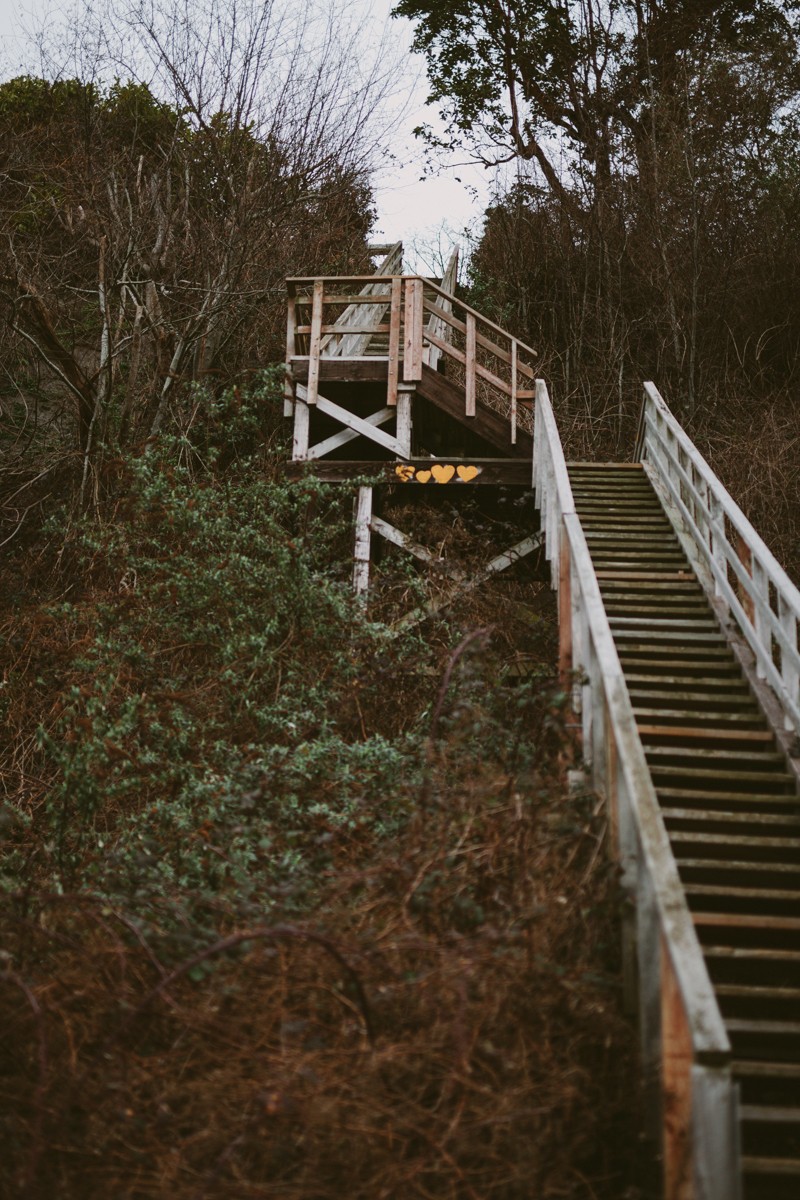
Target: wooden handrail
[(704, 506), (685, 1046)]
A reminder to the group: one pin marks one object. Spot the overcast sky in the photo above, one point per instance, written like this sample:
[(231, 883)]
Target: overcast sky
[(408, 208)]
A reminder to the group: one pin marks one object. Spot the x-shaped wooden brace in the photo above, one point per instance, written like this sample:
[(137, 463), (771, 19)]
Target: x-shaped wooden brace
[(368, 427)]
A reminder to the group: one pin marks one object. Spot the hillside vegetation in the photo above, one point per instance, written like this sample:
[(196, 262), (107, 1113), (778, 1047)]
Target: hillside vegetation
[(293, 906)]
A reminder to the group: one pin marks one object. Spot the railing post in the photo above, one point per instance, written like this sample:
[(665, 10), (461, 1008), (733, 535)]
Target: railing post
[(394, 342), (412, 357), (313, 349)]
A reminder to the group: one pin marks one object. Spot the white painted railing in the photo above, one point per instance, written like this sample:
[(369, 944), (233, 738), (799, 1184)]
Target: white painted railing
[(692, 1100), (733, 560)]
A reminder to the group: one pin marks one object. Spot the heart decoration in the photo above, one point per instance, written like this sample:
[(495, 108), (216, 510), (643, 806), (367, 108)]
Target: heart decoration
[(465, 474), (423, 476), (404, 472), (443, 473)]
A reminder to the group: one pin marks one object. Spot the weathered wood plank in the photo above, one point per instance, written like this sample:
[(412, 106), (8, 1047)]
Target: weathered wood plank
[(351, 421), (361, 553), (337, 440), (412, 356), (415, 549), (490, 472), (366, 369)]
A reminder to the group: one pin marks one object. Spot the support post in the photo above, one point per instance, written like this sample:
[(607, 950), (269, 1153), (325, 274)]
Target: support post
[(404, 393), (314, 347), (302, 424), (288, 381), (361, 553)]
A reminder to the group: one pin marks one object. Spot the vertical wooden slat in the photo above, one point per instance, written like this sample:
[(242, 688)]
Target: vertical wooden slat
[(313, 351), (361, 552), (288, 380), (676, 1074), (513, 391), (394, 341), (469, 388), (412, 357)]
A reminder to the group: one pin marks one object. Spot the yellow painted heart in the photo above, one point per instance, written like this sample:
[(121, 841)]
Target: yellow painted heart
[(443, 474), (404, 472), (423, 476), (467, 473)]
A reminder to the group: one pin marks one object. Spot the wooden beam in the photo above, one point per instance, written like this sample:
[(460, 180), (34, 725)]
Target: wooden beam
[(398, 538), (491, 472), (361, 553), (367, 369), (347, 435), (498, 564)]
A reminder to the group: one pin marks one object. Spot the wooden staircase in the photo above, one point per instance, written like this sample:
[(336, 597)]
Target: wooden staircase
[(727, 799), (679, 640)]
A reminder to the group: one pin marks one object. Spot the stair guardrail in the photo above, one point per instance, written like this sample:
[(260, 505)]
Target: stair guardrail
[(337, 316), (743, 573), (692, 1101)]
